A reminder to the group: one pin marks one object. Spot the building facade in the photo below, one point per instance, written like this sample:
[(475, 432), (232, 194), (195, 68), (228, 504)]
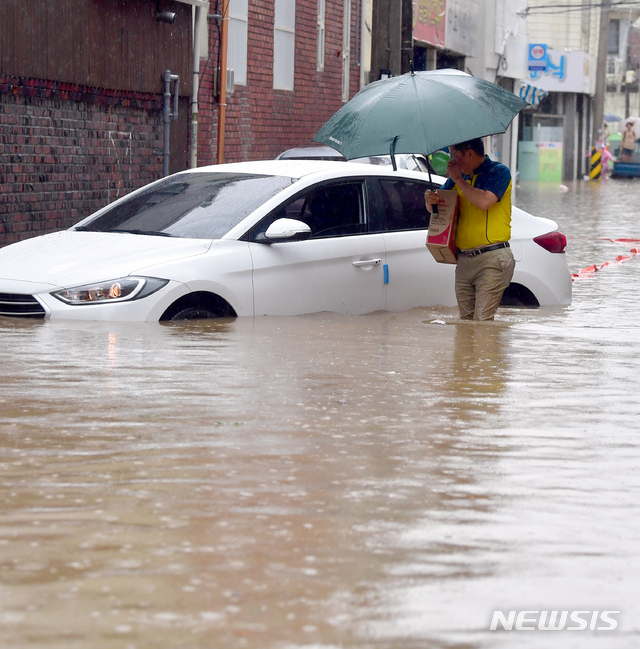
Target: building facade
[(293, 63), (81, 106), (545, 53), (83, 111), (556, 132), (623, 66)]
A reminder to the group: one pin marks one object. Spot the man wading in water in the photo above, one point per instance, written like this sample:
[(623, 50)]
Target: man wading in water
[(485, 261)]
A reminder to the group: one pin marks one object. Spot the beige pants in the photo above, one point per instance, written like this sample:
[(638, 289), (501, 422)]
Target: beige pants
[(481, 281)]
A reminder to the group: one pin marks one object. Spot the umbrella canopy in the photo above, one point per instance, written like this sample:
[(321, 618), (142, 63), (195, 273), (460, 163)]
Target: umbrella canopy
[(419, 112), (612, 118)]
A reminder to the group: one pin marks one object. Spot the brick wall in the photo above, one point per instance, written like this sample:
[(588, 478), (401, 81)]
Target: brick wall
[(67, 150), (260, 121)]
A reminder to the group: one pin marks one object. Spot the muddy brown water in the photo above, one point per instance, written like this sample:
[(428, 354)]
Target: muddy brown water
[(327, 481)]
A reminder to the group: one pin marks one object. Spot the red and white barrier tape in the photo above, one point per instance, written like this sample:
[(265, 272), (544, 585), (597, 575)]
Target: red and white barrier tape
[(590, 270), (622, 240)]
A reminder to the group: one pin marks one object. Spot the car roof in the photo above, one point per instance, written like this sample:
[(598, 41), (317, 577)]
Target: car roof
[(293, 168)]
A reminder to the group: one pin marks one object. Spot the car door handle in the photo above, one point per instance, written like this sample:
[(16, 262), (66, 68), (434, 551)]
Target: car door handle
[(367, 262)]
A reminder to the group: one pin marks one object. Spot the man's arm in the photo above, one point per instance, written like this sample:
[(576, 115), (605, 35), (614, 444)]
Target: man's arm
[(481, 198)]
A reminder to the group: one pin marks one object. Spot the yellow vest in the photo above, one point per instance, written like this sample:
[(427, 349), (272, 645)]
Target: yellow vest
[(478, 227)]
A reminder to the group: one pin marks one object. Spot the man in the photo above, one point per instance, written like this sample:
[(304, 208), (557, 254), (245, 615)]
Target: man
[(485, 261)]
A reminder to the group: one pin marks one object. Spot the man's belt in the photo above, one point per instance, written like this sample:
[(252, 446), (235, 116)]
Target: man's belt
[(474, 252)]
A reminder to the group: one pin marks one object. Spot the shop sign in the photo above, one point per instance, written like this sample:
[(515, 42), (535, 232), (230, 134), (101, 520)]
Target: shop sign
[(450, 24), (565, 72), (538, 59), (429, 22)]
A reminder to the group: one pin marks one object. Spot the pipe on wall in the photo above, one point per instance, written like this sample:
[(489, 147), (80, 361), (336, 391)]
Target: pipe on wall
[(168, 114), (200, 15), (363, 37), (222, 82)]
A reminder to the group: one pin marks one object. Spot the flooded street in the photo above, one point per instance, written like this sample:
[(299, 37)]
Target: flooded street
[(328, 481)]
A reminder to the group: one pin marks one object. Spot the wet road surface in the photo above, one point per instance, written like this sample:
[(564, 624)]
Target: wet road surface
[(326, 481)]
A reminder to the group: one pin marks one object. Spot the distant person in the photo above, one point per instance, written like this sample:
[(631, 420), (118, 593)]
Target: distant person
[(606, 158), (628, 145), (485, 262)]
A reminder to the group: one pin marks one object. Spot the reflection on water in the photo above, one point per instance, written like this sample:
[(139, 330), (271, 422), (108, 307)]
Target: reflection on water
[(329, 481)]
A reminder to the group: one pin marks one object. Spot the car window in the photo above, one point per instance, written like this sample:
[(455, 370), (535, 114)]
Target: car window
[(192, 205), (416, 163), (331, 210), (399, 205)]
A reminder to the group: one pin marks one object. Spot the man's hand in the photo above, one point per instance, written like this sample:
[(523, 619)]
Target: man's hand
[(430, 199), (453, 171), (481, 198)]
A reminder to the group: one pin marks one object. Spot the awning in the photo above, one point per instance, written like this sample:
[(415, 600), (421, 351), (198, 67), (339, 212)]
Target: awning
[(532, 94)]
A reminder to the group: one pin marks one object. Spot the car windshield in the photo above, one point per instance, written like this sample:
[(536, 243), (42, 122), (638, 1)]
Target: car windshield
[(191, 206)]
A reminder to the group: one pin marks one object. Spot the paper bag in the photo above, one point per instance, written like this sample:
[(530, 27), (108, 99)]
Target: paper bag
[(442, 228)]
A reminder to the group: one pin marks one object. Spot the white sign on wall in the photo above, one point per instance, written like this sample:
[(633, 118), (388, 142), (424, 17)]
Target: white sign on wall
[(461, 30), (514, 62)]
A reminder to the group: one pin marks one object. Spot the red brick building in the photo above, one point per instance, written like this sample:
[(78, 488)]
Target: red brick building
[(81, 99), (262, 120), (81, 94)]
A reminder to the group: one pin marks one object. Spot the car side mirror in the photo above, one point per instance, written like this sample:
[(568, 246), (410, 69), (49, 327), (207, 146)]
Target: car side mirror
[(287, 230)]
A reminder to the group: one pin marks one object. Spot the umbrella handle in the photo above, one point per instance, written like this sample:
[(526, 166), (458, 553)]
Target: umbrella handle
[(434, 208), (392, 153)]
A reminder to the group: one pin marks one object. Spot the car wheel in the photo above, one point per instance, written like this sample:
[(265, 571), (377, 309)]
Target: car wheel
[(519, 296), (193, 313), (198, 305)]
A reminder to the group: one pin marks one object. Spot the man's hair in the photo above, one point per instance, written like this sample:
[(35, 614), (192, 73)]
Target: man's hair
[(476, 145)]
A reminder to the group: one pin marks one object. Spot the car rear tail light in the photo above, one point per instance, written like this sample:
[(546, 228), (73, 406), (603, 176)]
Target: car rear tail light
[(552, 241)]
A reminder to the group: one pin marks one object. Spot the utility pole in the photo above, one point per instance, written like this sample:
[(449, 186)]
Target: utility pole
[(391, 38), (601, 72), (406, 49), (385, 39)]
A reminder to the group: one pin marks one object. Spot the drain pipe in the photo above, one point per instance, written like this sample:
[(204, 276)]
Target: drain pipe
[(222, 81), (168, 114), (193, 152)]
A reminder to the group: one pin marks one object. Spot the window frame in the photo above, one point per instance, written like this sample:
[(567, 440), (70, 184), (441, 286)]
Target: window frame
[(237, 43), (255, 234), (322, 7), (284, 44), (378, 213)]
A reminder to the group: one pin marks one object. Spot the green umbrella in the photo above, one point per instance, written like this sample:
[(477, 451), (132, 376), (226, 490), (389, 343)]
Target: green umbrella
[(419, 112)]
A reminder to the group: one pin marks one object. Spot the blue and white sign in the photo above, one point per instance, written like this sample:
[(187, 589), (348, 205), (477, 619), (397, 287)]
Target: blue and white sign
[(538, 59), (566, 72)]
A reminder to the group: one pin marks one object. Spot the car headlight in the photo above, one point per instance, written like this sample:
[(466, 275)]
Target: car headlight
[(115, 290)]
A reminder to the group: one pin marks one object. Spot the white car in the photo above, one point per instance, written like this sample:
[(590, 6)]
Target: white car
[(278, 237)]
